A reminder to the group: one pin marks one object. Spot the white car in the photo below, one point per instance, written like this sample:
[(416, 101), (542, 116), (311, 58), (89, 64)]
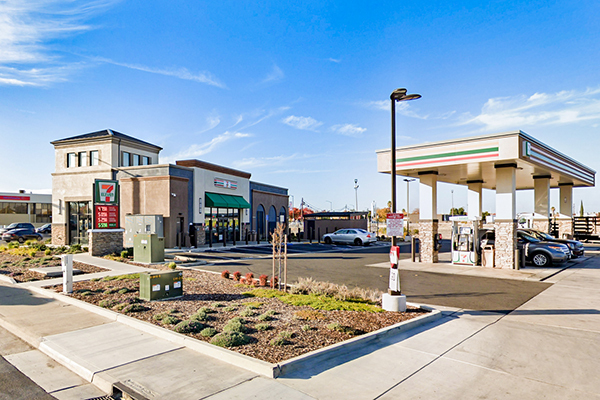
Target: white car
[(355, 236)]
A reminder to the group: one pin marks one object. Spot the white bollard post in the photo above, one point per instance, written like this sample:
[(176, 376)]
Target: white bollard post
[(67, 268)]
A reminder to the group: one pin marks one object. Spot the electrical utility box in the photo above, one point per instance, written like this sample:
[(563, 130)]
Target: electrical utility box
[(161, 285), (141, 223), (148, 248)]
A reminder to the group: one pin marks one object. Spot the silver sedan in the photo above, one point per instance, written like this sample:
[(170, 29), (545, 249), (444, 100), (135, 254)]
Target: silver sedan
[(355, 236)]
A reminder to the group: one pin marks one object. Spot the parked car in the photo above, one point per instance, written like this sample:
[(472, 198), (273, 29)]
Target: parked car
[(47, 228), (540, 253), (358, 237), (21, 235), (17, 225), (575, 246)]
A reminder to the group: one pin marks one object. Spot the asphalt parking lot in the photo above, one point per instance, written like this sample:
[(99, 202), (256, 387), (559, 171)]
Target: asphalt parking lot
[(350, 265)]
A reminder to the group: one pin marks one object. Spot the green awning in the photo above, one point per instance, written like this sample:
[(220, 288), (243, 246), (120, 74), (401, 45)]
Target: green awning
[(216, 200)]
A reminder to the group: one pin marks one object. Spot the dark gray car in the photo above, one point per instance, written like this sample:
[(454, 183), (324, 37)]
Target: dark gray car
[(17, 225), (576, 247), (536, 252)]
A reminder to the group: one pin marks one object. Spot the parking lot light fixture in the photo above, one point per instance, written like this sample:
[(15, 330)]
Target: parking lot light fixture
[(397, 95)]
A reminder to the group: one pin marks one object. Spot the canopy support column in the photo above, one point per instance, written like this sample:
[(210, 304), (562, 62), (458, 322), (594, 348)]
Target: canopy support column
[(428, 224), (506, 223)]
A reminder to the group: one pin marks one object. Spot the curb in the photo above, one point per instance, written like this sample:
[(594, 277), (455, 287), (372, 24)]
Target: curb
[(231, 357), (8, 279)]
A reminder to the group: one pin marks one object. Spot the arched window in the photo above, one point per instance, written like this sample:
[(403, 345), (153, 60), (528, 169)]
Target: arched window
[(272, 219)]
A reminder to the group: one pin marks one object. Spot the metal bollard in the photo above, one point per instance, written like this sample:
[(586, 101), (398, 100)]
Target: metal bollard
[(67, 268)]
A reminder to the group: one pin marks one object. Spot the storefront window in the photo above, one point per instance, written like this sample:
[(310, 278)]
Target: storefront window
[(80, 220), (221, 225)]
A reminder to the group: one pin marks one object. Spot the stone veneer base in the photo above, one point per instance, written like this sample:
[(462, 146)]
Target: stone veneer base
[(104, 242), (505, 243), (427, 230)]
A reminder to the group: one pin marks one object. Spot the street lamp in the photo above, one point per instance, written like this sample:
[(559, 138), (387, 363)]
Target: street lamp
[(408, 181), (356, 192), (397, 95)]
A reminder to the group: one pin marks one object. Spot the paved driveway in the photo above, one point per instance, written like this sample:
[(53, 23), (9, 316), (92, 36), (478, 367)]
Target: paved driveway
[(350, 265)]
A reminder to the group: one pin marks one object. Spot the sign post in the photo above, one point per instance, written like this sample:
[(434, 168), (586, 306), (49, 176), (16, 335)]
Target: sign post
[(106, 204), (394, 285), (67, 269)]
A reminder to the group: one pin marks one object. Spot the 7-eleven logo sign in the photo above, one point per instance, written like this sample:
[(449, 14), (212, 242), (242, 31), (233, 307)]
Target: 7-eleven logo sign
[(107, 192)]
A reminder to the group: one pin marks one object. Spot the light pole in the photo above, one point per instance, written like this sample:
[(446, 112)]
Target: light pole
[(408, 181), (330, 205), (356, 192), (452, 209), (397, 95)]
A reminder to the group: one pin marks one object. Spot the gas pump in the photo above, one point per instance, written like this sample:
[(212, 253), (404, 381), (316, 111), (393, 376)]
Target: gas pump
[(464, 240)]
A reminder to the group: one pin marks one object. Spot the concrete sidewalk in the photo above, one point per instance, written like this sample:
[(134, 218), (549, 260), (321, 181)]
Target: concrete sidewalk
[(547, 348)]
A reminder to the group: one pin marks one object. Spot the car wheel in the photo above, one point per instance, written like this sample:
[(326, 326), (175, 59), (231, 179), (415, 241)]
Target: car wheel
[(328, 240), (21, 240), (40, 238), (541, 260), (358, 242)]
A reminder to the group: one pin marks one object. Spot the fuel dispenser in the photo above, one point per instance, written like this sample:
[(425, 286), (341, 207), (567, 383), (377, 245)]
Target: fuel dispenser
[(464, 240)]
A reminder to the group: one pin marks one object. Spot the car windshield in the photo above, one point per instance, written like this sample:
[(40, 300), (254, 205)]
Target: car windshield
[(13, 225), (527, 237), (545, 236)]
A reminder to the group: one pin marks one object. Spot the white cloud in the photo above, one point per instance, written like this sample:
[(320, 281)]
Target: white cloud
[(276, 74), (257, 162), (304, 123), (27, 29), (179, 72), (517, 112), (198, 150), (348, 129), (335, 60)]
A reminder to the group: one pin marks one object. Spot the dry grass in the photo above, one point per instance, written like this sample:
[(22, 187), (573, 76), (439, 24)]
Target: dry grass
[(339, 292)]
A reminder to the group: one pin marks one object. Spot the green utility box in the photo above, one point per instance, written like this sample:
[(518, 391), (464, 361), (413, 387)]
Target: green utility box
[(161, 285), (148, 248)]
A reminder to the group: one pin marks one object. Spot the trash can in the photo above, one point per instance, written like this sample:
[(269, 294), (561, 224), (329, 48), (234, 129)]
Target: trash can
[(488, 256)]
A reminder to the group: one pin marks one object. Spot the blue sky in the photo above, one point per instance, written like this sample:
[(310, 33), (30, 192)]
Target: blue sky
[(297, 94)]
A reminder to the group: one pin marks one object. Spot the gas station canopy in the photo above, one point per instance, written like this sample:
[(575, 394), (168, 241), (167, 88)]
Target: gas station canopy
[(475, 159)]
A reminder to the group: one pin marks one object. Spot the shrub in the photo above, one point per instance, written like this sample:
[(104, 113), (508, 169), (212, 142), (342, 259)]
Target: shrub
[(262, 326), (249, 276), (248, 313), (278, 341), (47, 252), (170, 320), (253, 305), (107, 303), (86, 293), (13, 245), (336, 326), (317, 302), (264, 317), (306, 328), (237, 275), (229, 308), (123, 291), (188, 326), (225, 274), (216, 305), (172, 265), (200, 316), (263, 280), (208, 332), (32, 253), (286, 335), (124, 254), (274, 281), (230, 339), (134, 308), (243, 281), (309, 315), (111, 291), (234, 326), (75, 248), (207, 310)]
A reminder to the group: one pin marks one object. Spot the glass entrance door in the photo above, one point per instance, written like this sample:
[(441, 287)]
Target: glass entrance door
[(80, 220)]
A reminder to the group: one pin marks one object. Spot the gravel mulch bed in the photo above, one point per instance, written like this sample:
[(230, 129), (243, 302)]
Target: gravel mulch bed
[(17, 266), (289, 331)]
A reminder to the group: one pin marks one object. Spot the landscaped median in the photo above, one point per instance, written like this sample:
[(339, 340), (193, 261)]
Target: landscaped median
[(263, 330)]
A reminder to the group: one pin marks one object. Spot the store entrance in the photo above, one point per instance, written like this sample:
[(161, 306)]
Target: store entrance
[(222, 226), (80, 220)]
